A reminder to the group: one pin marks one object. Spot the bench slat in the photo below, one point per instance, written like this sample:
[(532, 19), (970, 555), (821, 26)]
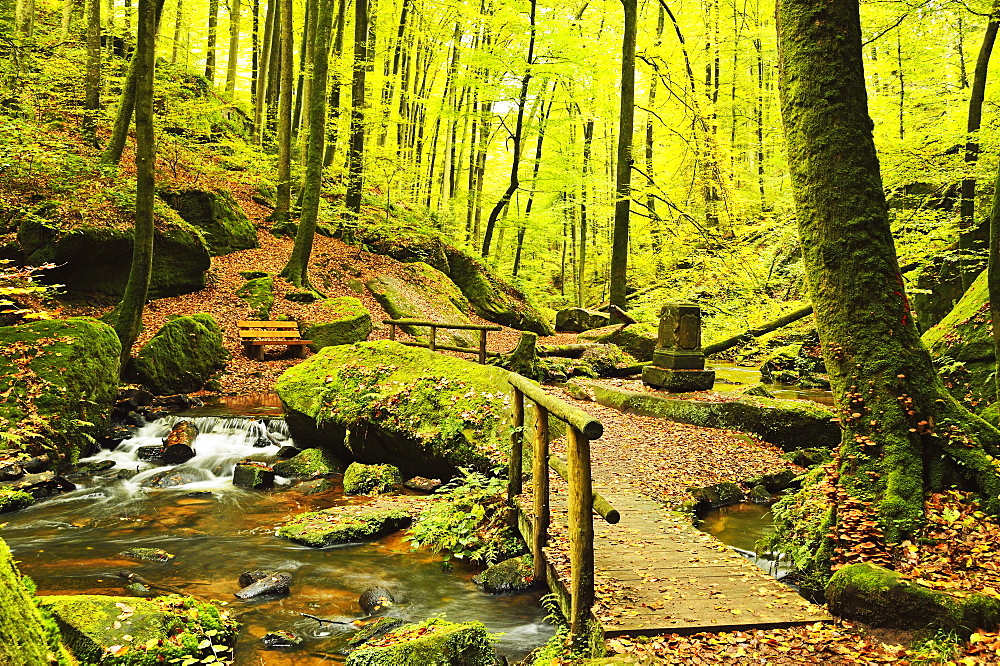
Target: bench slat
[(266, 324), (269, 334), (262, 343)]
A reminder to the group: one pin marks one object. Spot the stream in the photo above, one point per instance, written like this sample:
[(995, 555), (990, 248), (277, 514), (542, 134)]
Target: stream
[(68, 545)]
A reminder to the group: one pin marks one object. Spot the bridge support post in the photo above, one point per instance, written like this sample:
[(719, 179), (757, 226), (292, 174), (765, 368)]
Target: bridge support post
[(581, 534), (540, 485)]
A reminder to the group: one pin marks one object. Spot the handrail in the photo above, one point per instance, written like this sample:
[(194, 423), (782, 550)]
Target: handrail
[(582, 501), (435, 325)]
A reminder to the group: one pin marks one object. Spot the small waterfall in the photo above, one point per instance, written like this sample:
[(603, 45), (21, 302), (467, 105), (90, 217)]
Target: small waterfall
[(222, 441)]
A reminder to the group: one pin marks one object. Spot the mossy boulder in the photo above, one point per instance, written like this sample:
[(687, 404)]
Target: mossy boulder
[(423, 412), (59, 378), (638, 340), (434, 642), (253, 475), (939, 289), (423, 292), (578, 320), (258, 293), (27, 635), (340, 321), (182, 356), (719, 494), (344, 524), (775, 480), (513, 575), (12, 500), (311, 463), (217, 214), (791, 424), (128, 630), (362, 479), (961, 345), (883, 598), (97, 259)]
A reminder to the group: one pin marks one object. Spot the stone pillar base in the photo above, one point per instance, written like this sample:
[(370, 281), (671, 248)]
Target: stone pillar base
[(678, 381)]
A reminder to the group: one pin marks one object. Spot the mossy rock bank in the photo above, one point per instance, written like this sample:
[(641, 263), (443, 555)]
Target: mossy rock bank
[(424, 293), (425, 413), (961, 345), (27, 636), (60, 379), (128, 630), (310, 464), (639, 340), (513, 575), (344, 524), (182, 356), (96, 260), (883, 598), (790, 424), (258, 294), (434, 642), (362, 479), (339, 321), (217, 214)]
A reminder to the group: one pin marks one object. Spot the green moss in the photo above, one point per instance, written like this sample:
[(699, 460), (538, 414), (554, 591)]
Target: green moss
[(141, 632), (59, 379), (309, 463), (249, 474), (182, 355), (426, 413), (434, 642), (342, 321), (217, 214), (883, 598), (513, 575), (376, 629), (12, 500), (371, 479), (638, 340), (342, 525), (259, 296), (27, 634)]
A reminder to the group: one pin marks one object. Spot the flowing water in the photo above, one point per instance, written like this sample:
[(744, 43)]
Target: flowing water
[(730, 377), (69, 545), (741, 526)]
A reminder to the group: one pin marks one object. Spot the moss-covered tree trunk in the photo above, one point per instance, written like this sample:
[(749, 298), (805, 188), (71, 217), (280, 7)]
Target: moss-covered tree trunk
[(24, 636), (903, 433), (297, 268), (213, 23), (137, 288)]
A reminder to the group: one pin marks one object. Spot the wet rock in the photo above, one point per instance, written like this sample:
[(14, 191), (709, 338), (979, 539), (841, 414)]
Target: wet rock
[(135, 419), (10, 471), (151, 452), (170, 478), (423, 484), (275, 583), (139, 590), (578, 320), (374, 599), (720, 494), (362, 479), (183, 432), (147, 554), (176, 401), (117, 434), (343, 524), (286, 452), (91, 467), (280, 639), (434, 641), (12, 500), (156, 413), (177, 454), (513, 575), (316, 486), (376, 629), (251, 577), (36, 465), (775, 480), (132, 399), (37, 485), (253, 474), (808, 457), (759, 495), (311, 463)]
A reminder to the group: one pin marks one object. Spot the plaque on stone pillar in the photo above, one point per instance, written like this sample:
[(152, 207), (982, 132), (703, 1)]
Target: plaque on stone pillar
[(678, 362)]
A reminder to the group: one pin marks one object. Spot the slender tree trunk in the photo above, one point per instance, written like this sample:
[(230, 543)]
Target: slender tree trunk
[(586, 170), (904, 434), (963, 75), (255, 54), (335, 84), (283, 198), (92, 84), (24, 17), (213, 23), (966, 225), (522, 228), (297, 268), (178, 22), (518, 130), (136, 289), (234, 47), (112, 154), (264, 75), (759, 119), (68, 8), (305, 65), (993, 279), (356, 154), (623, 180)]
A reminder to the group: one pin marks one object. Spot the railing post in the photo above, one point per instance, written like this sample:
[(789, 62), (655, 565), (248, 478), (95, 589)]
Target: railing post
[(581, 533), (482, 346), (514, 470), (540, 486), (433, 344), (392, 331)]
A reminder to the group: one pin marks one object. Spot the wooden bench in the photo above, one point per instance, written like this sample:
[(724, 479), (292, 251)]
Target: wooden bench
[(434, 326), (255, 335)]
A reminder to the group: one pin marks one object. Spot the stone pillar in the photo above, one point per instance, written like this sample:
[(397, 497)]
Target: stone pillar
[(678, 362)]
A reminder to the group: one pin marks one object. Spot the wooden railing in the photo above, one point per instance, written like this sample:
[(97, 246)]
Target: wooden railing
[(581, 428), (434, 325)]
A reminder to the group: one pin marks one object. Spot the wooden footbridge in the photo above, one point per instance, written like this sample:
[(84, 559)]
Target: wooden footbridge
[(638, 569)]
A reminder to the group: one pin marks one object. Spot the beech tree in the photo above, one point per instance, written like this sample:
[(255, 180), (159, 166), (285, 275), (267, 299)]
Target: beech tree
[(903, 433), (92, 82), (623, 165)]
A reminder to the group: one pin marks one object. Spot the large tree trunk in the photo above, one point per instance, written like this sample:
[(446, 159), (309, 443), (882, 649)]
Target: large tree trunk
[(283, 197), (92, 82), (130, 311), (623, 168), (264, 74), (213, 23), (234, 47), (356, 152), (297, 268), (903, 432)]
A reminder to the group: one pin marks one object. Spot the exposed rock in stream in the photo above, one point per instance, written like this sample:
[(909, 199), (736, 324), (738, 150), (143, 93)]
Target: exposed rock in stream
[(375, 599), (274, 583)]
